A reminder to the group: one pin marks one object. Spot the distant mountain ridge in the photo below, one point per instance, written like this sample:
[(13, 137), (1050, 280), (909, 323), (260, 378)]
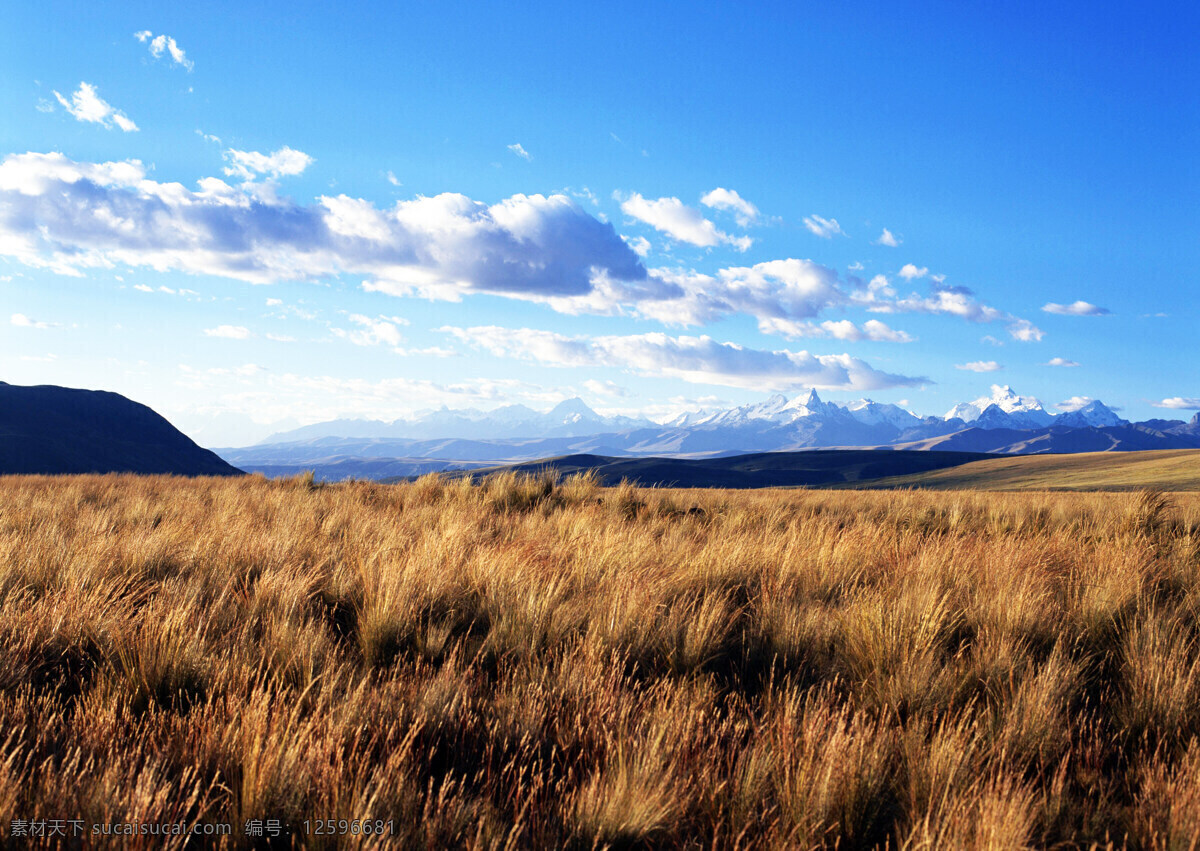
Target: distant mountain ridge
[(54, 430), (1002, 422)]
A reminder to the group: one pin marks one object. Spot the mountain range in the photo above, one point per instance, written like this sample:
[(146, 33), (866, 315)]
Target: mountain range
[(1002, 422)]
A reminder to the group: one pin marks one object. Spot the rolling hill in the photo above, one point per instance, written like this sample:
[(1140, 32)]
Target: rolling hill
[(50, 429), (818, 468), (1174, 470)]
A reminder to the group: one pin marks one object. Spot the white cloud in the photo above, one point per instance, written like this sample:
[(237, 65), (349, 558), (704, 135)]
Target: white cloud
[(889, 239), (229, 332), (744, 212), (1076, 308), (1180, 403), (68, 216), (517, 149), (284, 162), (281, 338), (605, 388), (274, 302), (842, 329), (952, 301), (1061, 362), (824, 228), (979, 366), (143, 288), (1074, 403), (382, 330), (698, 360), (160, 44), (23, 321), (910, 272), (1025, 331), (681, 222), (86, 105), (639, 244), (392, 179), (782, 289), (990, 340)]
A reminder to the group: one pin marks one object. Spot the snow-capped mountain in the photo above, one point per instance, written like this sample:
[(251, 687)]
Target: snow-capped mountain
[(1000, 423), (1023, 411), (877, 413), (1094, 413), (570, 418)]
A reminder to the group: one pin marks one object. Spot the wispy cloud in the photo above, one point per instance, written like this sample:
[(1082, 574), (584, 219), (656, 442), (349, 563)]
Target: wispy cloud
[(979, 366), (1061, 362), (745, 213), (520, 151), (373, 331), (1076, 308), (822, 227), (284, 162), (605, 388), (681, 222), (889, 239), (229, 332), (842, 329), (87, 105), (1025, 331), (639, 244), (22, 321), (698, 360), (164, 44)]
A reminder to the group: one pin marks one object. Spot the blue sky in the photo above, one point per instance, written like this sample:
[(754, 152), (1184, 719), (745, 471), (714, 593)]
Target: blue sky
[(287, 213)]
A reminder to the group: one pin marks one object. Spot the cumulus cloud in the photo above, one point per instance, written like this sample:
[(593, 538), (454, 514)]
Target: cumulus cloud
[(517, 149), (1180, 403), (1025, 331), (22, 321), (888, 238), (1076, 308), (780, 289), (284, 162), (842, 329), (229, 332), (745, 213), (681, 222), (942, 299), (979, 366), (68, 216), (160, 44), (824, 228), (699, 360), (87, 105), (1061, 362), (910, 272)]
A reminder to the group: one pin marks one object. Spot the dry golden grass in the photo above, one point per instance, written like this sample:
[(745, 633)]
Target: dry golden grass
[(531, 664)]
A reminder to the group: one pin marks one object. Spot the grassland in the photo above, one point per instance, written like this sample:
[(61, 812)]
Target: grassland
[(1169, 469), (530, 664)]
